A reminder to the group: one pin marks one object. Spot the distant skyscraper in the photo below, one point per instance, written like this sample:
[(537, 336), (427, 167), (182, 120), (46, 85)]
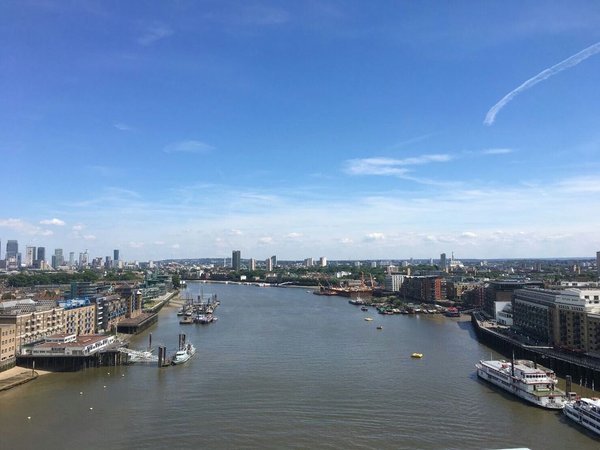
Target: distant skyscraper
[(323, 261), (308, 262), (41, 254), (12, 248), (71, 259), (58, 258), (252, 264), (269, 264), (443, 262), (116, 255), (274, 260), (598, 263), (83, 259), (236, 259), (30, 256)]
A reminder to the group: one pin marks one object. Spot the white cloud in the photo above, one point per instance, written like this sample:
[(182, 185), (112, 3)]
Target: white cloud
[(22, 226), (54, 221), (133, 244), (390, 166), (375, 237), (175, 246), (234, 232), (266, 240), (497, 151), (89, 237), (468, 235), (159, 242), (583, 184), (293, 235), (122, 127), (78, 227), (188, 146), (154, 32)]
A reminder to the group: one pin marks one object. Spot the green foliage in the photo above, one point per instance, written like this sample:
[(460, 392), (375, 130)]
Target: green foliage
[(25, 279), (122, 276), (176, 281)]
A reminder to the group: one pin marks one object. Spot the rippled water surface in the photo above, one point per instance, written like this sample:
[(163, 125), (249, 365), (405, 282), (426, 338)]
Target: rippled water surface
[(284, 368)]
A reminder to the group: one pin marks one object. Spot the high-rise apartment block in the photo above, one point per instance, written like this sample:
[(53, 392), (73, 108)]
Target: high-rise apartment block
[(30, 256), (115, 255), (323, 261), (236, 260)]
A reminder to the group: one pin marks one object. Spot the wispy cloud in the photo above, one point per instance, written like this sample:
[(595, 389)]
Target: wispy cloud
[(105, 171), (189, 146), (154, 32), (543, 75), (390, 166), (497, 151), (582, 184), (22, 226), (122, 127), (54, 221), (375, 237)]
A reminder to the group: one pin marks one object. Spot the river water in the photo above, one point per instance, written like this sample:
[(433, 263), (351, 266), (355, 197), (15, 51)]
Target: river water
[(283, 368)]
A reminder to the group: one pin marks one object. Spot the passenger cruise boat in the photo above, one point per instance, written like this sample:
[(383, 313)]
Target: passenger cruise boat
[(525, 379), (586, 412), (184, 355)]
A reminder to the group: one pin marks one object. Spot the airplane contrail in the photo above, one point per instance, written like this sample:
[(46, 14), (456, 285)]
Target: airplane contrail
[(543, 75)]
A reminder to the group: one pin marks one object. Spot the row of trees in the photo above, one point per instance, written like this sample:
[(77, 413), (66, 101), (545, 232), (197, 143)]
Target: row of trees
[(24, 279)]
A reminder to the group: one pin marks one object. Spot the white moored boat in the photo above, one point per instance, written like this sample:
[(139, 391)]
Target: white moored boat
[(525, 379), (183, 355), (586, 412)]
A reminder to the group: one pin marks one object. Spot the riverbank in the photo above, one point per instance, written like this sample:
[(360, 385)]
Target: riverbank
[(17, 376)]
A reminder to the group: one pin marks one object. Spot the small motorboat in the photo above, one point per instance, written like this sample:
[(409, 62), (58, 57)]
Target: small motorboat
[(379, 327), (368, 319), (416, 355)]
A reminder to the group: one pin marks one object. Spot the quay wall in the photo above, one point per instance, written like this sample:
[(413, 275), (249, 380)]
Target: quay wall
[(584, 371)]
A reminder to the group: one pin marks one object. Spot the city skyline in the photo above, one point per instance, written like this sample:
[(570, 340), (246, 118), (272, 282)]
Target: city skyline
[(345, 129)]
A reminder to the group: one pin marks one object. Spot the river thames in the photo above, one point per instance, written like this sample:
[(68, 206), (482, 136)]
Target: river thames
[(283, 368)]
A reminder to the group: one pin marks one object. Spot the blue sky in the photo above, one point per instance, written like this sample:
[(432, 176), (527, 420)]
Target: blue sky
[(345, 129)]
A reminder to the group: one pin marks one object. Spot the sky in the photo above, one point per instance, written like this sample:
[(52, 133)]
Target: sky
[(344, 129)]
